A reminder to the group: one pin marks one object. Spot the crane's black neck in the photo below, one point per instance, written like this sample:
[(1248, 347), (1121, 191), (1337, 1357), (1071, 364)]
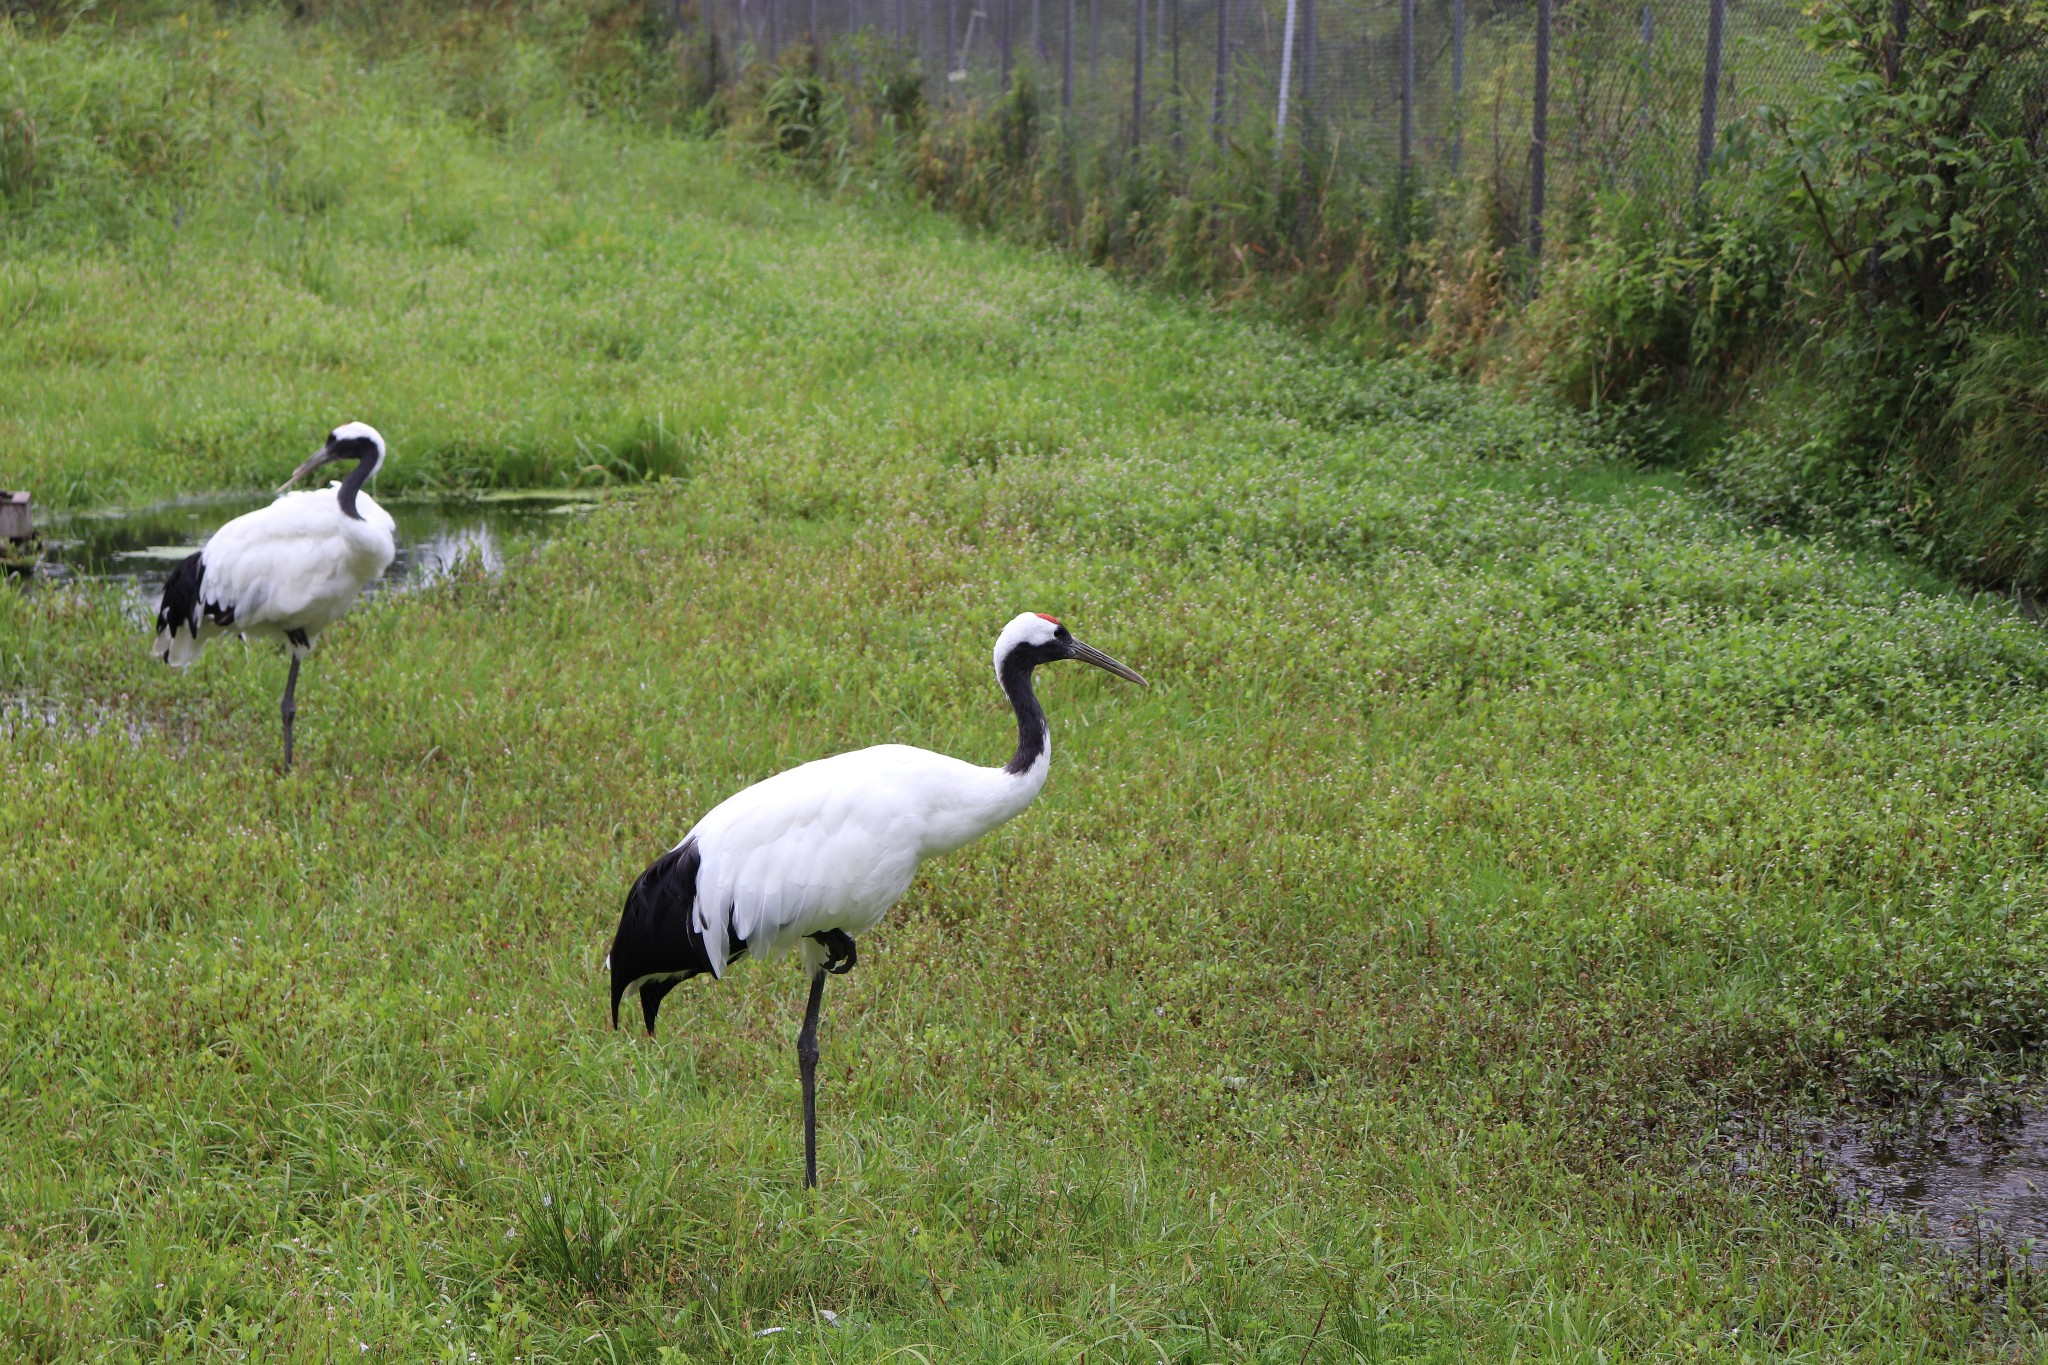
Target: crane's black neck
[(1032, 733), (353, 485)]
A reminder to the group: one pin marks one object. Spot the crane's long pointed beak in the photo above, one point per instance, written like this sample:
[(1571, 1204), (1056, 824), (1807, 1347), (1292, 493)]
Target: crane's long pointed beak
[(324, 455), (1089, 654)]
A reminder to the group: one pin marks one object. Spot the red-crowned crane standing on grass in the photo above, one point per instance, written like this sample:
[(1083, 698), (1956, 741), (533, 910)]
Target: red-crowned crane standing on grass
[(815, 856), (287, 571)]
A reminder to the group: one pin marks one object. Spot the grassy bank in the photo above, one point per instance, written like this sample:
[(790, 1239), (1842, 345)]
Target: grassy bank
[(1377, 986), (219, 233)]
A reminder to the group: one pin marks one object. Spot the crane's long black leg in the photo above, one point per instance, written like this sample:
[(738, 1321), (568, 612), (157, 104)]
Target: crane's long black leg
[(807, 1067), (288, 709)]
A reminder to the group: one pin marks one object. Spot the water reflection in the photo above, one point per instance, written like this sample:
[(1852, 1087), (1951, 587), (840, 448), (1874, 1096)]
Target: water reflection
[(1968, 1184), (140, 548)]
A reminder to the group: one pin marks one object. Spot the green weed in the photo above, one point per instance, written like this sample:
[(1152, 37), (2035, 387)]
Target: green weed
[(1372, 987)]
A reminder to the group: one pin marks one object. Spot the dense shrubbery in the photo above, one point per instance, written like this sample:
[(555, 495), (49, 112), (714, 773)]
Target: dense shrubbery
[(1860, 303)]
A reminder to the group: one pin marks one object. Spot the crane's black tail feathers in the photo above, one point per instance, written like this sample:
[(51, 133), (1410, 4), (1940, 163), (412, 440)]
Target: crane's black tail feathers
[(182, 607), (657, 944)]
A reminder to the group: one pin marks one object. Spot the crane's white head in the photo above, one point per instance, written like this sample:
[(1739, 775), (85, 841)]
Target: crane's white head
[(358, 441), (1035, 638)]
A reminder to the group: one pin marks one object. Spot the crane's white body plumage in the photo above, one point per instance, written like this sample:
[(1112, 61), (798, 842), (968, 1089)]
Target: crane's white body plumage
[(295, 566), (834, 843), (287, 571), (815, 856)]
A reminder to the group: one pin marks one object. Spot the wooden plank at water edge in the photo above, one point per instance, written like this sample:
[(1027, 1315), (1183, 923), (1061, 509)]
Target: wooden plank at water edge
[(14, 516)]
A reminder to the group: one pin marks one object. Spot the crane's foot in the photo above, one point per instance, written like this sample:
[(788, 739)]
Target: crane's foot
[(840, 954)]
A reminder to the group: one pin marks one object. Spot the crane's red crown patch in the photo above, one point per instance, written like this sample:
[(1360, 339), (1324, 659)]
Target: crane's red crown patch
[(1043, 617)]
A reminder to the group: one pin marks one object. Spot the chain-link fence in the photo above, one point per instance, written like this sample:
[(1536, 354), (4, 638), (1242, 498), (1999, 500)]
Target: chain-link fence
[(1543, 98)]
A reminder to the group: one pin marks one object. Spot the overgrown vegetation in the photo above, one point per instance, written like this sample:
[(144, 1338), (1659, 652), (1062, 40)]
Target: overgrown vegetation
[(1373, 987), (1843, 332), (1864, 300)]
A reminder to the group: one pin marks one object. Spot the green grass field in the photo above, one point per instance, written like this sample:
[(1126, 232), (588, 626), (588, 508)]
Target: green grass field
[(1378, 986)]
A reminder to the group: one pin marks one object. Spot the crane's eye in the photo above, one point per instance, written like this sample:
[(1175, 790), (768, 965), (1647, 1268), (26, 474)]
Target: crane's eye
[(330, 438), (1061, 633)]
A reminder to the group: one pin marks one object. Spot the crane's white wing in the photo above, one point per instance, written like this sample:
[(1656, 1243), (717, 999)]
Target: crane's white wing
[(295, 565), (298, 563), (832, 844)]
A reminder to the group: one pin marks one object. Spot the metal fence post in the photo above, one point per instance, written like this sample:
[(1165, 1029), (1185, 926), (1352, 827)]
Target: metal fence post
[(1138, 75), (1716, 12), (1222, 70), (1539, 131), (1173, 67), (1305, 97), (1067, 61), (1649, 51), (1286, 72), (1457, 83), (1407, 87)]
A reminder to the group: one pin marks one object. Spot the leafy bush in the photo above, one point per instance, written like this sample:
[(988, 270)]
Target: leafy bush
[(1915, 176)]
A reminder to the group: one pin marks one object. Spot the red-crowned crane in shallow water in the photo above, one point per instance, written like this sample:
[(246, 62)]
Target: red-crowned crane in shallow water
[(287, 571), (815, 856)]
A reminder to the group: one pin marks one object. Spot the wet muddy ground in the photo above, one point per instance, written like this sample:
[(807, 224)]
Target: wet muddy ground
[(137, 549), (1968, 1175), (1962, 1183)]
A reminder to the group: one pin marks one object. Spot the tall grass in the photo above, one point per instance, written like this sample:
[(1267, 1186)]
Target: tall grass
[(1386, 982), (227, 233), (1507, 839)]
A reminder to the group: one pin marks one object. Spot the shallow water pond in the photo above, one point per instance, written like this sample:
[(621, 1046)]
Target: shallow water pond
[(139, 548), (1964, 1185)]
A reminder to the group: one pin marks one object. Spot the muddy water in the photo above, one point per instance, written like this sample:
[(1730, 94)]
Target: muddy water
[(139, 548), (1964, 1185)]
